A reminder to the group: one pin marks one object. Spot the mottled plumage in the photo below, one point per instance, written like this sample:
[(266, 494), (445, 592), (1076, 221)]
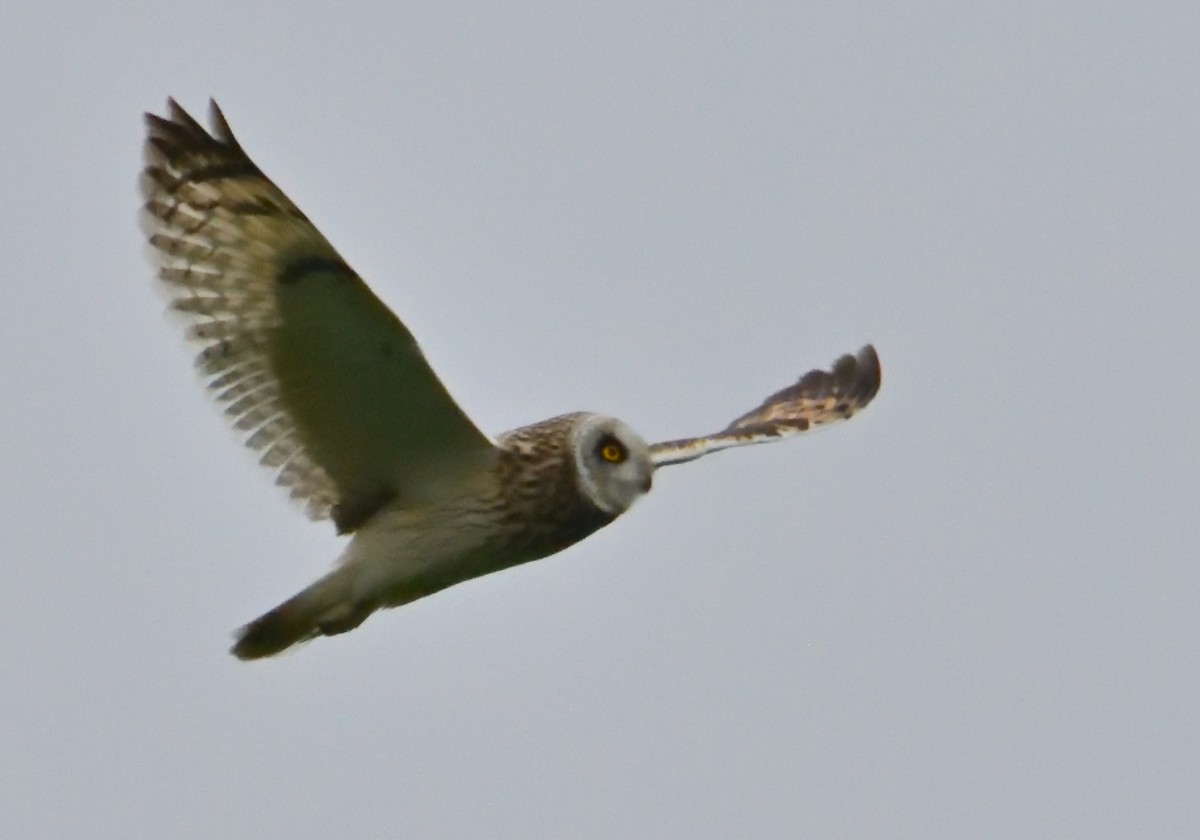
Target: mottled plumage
[(819, 398), (334, 393)]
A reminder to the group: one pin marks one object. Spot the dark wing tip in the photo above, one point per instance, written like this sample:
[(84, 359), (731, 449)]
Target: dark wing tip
[(859, 376), (853, 377), (178, 150), (220, 125), (180, 131), (181, 117), (820, 396)]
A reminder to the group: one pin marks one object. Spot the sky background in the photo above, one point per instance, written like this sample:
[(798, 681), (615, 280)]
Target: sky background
[(971, 612)]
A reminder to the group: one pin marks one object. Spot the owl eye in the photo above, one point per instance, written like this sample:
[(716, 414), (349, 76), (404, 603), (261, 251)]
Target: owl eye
[(612, 450)]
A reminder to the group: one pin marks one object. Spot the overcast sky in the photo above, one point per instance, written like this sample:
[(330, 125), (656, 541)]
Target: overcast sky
[(971, 612)]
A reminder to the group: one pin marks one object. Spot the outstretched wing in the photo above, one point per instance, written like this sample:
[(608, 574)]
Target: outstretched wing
[(819, 398), (325, 381)]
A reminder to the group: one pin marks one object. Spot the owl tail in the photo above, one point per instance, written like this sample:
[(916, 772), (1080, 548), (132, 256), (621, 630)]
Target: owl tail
[(323, 609)]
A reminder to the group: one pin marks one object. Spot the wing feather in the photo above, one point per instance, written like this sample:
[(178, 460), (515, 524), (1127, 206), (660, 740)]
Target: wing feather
[(328, 384), (819, 398)]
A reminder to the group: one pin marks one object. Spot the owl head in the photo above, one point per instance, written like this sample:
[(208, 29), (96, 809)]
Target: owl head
[(612, 462)]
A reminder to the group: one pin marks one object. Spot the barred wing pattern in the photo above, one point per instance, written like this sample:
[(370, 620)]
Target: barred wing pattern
[(327, 383), (819, 398)]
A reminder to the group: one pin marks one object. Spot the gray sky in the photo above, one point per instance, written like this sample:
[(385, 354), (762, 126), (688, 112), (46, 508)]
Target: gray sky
[(972, 612)]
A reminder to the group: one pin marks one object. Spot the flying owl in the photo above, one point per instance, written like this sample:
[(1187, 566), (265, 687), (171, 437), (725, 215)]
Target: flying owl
[(335, 395)]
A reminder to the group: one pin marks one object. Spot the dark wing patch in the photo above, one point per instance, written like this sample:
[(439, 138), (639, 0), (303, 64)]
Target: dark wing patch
[(352, 513)]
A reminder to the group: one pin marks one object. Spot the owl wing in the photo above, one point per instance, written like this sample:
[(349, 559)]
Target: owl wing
[(323, 379), (819, 398)]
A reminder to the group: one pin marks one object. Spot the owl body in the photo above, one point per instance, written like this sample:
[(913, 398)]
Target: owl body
[(548, 487), (336, 396)]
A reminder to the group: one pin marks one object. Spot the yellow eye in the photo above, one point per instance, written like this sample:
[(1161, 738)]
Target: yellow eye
[(612, 452)]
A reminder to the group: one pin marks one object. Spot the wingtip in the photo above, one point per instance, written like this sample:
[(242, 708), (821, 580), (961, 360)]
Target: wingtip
[(180, 116), (861, 374), (220, 125), (869, 368)]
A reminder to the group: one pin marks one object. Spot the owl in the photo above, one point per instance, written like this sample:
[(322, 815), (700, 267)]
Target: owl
[(334, 394)]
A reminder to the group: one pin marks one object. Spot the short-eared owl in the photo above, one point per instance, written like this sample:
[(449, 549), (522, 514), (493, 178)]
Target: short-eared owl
[(335, 394)]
